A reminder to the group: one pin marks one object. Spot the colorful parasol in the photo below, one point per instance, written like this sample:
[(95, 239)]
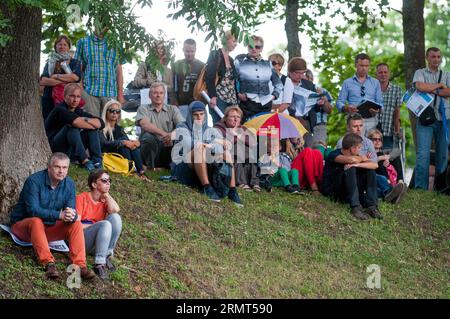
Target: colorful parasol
[(276, 123)]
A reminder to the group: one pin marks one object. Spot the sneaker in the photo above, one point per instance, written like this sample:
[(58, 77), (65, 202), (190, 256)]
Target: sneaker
[(98, 165), (291, 189), (109, 264), (89, 166), (86, 273), (211, 193), (100, 270), (51, 272), (299, 190), (234, 196), (394, 193), (374, 212), (402, 194), (358, 213)]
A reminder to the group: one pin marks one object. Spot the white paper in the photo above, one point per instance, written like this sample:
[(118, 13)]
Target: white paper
[(58, 245), (417, 101), (304, 100)]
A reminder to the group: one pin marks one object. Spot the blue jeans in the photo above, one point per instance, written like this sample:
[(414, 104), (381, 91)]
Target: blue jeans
[(388, 142), (74, 141), (383, 186), (425, 135), (101, 238)]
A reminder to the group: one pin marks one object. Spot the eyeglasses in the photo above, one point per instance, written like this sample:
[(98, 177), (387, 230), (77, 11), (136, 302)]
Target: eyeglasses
[(375, 139), (363, 92), (257, 47), (105, 180), (275, 63), (116, 111)]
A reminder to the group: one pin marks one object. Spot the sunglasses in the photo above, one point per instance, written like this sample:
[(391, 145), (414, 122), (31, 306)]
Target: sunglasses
[(275, 63), (363, 92), (379, 139), (105, 180), (116, 111), (258, 47)]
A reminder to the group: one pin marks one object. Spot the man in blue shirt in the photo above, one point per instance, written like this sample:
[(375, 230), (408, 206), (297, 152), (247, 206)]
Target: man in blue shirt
[(46, 212), (361, 87)]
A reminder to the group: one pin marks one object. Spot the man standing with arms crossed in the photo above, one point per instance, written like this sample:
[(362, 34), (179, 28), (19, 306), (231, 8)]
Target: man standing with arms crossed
[(435, 81)]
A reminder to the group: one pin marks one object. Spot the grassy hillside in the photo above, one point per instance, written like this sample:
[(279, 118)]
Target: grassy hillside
[(177, 244)]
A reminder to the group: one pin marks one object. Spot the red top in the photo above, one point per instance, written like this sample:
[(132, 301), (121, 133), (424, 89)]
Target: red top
[(90, 211)]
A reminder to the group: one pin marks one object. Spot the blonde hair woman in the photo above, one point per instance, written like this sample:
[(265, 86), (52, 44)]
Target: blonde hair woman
[(114, 139)]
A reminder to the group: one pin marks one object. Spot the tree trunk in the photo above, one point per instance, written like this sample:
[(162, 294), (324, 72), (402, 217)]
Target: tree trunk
[(414, 42), (291, 27), (413, 38), (23, 144)]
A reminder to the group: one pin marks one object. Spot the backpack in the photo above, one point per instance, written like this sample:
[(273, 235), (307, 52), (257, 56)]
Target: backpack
[(200, 85), (116, 163)]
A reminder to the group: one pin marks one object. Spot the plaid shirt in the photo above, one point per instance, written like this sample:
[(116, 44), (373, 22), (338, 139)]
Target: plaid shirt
[(100, 66), (392, 99)]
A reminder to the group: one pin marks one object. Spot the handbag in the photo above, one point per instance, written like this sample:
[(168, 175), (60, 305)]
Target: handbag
[(116, 163), (200, 85), (428, 116)]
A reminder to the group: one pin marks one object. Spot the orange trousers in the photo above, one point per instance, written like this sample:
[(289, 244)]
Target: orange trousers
[(35, 231)]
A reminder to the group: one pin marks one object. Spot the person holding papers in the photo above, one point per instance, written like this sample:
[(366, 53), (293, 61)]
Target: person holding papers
[(435, 81), (361, 90), (305, 103)]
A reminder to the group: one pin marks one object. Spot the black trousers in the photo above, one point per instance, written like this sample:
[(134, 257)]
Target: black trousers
[(356, 186)]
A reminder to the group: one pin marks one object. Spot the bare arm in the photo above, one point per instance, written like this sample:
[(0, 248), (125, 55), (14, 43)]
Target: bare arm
[(90, 124), (111, 205), (151, 128), (44, 81), (444, 92), (429, 87), (348, 159), (396, 120), (120, 96)]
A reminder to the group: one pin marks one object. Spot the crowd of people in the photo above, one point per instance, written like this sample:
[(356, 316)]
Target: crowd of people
[(82, 102)]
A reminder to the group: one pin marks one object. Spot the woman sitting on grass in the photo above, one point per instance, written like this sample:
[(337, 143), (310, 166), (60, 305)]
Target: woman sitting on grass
[(102, 223), (190, 155), (113, 138), (309, 163), (243, 141)]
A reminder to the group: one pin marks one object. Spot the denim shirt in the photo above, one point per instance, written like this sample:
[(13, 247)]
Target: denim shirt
[(38, 199)]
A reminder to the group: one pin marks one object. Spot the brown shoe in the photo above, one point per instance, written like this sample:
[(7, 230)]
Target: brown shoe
[(86, 273), (374, 212), (357, 212), (51, 272)]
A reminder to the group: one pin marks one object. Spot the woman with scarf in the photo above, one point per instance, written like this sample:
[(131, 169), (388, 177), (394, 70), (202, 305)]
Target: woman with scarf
[(59, 70), (195, 153)]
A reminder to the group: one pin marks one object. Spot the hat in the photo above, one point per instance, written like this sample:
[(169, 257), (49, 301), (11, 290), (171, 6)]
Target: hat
[(197, 106)]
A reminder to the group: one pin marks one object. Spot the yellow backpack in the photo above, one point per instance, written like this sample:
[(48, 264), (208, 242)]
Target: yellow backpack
[(116, 163)]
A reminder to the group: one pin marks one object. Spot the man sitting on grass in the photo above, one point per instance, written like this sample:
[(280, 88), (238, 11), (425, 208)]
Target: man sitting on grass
[(350, 177), (46, 212)]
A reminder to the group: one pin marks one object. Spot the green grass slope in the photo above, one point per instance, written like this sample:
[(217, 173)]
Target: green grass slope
[(177, 244)]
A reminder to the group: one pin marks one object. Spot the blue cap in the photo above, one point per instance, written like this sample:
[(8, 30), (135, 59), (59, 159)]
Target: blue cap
[(197, 106)]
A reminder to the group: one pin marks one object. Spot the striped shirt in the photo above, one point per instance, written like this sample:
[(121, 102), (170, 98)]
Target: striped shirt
[(100, 66), (392, 99)]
